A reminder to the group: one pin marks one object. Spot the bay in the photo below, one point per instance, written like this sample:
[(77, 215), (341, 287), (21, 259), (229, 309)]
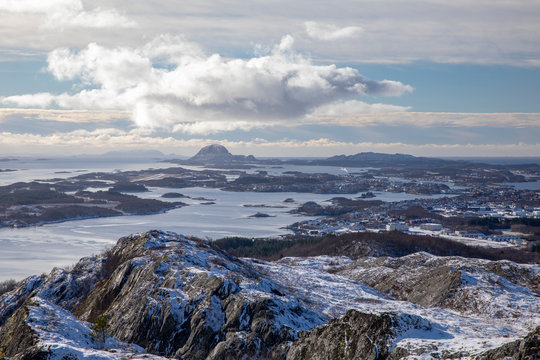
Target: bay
[(217, 214)]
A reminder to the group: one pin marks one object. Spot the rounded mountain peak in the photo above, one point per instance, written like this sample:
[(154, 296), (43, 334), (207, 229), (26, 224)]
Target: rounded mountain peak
[(210, 152), (214, 149)]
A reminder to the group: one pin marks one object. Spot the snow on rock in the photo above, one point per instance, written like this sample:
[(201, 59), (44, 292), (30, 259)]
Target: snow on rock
[(215, 317), (184, 298), (178, 297), (12, 300), (306, 279), (440, 329), (491, 291), (62, 336)]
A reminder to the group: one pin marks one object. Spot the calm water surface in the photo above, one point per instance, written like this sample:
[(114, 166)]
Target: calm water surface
[(33, 250)]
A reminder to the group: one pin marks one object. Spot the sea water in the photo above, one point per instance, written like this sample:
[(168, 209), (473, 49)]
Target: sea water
[(36, 249)]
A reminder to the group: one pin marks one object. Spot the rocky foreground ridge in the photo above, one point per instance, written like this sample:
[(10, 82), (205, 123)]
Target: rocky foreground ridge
[(168, 296)]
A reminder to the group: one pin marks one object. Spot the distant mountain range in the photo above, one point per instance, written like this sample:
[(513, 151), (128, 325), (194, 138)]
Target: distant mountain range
[(219, 155), (216, 155), (371, 159)]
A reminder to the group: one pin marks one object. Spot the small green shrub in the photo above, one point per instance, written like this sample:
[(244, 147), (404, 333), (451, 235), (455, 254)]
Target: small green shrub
[(100, 328)]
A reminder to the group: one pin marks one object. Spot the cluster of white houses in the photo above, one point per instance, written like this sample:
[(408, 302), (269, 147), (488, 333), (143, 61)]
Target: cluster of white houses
[(401, 226), (324, 226), (494, 237), (377, 218), (494, 210), (436, 227)]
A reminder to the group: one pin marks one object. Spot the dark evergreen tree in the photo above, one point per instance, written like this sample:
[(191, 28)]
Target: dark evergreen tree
[(100, 328)]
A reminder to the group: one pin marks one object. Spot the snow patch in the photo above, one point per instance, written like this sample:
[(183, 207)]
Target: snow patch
[(63, 336), (215, 317)]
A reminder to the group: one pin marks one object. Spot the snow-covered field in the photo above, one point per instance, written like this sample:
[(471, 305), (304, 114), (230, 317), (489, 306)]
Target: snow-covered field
[(333, 295), (64, 336)]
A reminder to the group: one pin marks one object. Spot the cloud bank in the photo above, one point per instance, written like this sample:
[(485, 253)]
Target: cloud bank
[(351, 113), (170, 83), (64, 116), (102, 140), (349, 109), (67, 13), (405, 31), (359, 114)]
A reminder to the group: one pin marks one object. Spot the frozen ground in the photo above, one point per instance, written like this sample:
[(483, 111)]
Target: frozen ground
[(447, 330), (305, 292), (64, 336)]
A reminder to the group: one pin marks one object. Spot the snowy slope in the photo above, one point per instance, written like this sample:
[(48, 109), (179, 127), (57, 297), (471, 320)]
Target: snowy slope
[(184, 298), (445, 330), (497, 291), (65, 337)]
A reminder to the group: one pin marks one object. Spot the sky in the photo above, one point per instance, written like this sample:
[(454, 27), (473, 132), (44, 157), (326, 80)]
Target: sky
[(270, 78)]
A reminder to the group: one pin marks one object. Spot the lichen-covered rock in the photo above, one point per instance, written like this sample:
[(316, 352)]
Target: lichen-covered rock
[(358, 335), (527, 348), (469, 286), (176, 297), (353, 336), (16, 336)]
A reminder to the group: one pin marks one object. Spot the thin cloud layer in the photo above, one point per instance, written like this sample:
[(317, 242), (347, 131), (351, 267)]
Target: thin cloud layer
[(214, 127), (346, 109), (426, 119), (351, 113), (329, 32), (64, 116), (345, 115), (405, 31), (169, 83), (67, 13), (102, 140)]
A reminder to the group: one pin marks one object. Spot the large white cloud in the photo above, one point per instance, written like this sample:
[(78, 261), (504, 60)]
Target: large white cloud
[(67, 13), (170, 83)]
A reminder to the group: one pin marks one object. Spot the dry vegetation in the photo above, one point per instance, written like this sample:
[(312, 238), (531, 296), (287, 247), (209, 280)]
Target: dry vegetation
[(356, 245)]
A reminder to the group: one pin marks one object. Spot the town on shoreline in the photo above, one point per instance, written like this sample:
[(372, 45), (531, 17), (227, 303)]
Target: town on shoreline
[(464, 201)]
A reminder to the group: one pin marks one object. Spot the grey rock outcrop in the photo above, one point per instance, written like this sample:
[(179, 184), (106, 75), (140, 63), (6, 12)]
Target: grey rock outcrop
[(174, 297), (353, 336), (16, 337), (358, 335), (167, 295), (470, 286), (527, 348)]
